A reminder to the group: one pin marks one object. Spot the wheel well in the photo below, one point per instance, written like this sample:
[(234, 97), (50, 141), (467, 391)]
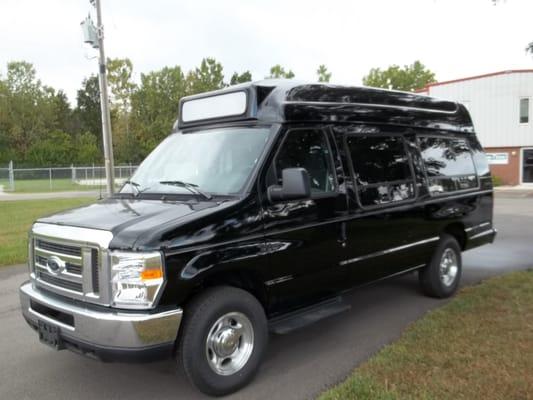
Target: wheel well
[(239, 279), (457, 230)]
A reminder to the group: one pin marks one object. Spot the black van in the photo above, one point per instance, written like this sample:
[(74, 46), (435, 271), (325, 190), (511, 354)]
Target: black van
[(266, 203)]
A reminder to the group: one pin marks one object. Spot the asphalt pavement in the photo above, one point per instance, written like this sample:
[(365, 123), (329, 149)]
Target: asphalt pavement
[(297, 366)]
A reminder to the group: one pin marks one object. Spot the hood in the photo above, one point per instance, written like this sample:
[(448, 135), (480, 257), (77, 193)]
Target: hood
[(129, 219)]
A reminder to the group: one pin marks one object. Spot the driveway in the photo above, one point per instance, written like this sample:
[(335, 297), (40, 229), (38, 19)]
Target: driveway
[(297, 366)]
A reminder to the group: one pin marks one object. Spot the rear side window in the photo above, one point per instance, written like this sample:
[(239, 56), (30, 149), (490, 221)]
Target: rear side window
[(307, 149), (449, 164), (382, 169)]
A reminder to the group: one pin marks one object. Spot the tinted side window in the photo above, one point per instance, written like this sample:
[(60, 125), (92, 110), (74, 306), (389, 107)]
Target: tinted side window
[(381, 167), (449, 164), (307, 149)]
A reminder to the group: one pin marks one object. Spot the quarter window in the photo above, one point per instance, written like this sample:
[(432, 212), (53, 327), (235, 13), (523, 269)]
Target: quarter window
[(524, 110), (382, 169), (449, 164), (307, 149)]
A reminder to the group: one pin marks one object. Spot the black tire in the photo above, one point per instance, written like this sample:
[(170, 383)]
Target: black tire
[(200, 317), (433, 282)]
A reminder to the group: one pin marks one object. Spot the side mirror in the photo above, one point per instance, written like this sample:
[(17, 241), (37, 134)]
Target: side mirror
[(296, 186)]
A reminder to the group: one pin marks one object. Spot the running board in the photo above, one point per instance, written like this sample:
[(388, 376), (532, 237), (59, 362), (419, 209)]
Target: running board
[(307, 316)]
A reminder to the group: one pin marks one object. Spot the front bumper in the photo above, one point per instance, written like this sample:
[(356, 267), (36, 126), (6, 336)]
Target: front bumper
[(104, 333)]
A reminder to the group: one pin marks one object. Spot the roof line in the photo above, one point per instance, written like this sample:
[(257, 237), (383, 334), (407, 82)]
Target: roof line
[(377, 105), (510, 71)]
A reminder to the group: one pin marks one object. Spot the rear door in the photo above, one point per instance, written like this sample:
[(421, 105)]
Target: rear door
[(383, 212)]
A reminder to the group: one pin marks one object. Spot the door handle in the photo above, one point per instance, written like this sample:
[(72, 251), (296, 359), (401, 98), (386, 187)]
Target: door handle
[(342, 234)]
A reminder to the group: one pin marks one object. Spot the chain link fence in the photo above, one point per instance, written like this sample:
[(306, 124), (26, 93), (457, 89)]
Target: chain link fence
[(4, 179), (73, 178)]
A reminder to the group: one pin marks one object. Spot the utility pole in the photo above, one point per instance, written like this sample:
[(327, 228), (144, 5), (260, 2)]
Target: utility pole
[(95, 36), (104, 103)]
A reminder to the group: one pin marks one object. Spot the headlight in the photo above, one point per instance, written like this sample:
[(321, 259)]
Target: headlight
[(136, 279)]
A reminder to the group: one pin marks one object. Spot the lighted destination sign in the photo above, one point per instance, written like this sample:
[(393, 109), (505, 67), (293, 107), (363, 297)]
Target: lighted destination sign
[(223, 105)]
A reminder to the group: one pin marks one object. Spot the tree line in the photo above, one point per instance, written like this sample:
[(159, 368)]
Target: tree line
[(38, 126)]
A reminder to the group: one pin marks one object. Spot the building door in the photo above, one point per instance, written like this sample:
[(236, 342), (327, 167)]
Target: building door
[(527, 166)]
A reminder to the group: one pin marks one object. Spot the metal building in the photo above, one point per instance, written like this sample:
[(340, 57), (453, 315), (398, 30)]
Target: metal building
[(500, 104)]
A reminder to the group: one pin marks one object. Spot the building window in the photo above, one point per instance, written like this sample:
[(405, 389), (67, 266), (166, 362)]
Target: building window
[(382, 169), (449, 164), (524, 110)]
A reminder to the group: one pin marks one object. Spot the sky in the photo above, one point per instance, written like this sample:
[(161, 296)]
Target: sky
[(453, 38)]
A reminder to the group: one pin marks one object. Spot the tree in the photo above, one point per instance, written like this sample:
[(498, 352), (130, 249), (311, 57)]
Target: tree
[(87, 149), (29, 110), (408, 78), (122, 88), (54, 150), (529, 48), (5, 155), (120, 82), (155, 105), (22, 78), (207, 77), (323, 74), (88, 110), (246, 76), (62, 112), (278, 72)]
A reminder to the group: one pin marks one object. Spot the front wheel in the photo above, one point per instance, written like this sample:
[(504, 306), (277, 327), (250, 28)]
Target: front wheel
[(223, 340), (440, 278)]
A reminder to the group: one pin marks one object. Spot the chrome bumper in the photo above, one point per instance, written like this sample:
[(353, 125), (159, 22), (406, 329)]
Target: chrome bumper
[(90, 330)]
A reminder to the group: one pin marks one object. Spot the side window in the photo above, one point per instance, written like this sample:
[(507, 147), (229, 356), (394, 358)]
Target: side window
[(307, 149), (449, 164), (381, 167)]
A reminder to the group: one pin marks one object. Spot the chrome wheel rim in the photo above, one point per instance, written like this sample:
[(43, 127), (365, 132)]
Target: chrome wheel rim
[(449, 267), (229, 343)]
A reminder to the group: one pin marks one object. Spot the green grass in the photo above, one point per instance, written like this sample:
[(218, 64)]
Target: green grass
[(16, 218), (43, 185), (478, 346)]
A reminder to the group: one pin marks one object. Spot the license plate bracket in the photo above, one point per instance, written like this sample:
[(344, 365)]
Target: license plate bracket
[(50, 335)]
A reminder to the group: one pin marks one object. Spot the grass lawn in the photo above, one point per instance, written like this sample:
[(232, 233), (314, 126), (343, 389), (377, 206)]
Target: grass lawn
[(16, 218), (43, 185), (478, 346)]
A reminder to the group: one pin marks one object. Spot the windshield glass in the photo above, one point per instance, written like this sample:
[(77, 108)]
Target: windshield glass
[(216, 161)]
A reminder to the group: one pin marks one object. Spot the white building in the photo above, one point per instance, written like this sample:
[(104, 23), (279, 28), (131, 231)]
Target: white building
[(501, 107)]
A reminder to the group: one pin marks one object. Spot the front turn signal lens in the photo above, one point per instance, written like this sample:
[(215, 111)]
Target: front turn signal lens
[(148, 274)]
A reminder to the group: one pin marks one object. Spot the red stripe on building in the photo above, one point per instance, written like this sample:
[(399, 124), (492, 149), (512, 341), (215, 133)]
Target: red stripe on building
[(511, 71)]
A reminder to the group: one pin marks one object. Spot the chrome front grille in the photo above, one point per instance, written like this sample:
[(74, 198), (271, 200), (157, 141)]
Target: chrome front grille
[(66, 261), (58, 282), (58, 248), (75, 269)]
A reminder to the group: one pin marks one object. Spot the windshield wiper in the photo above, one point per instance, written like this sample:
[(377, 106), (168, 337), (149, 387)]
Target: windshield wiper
[(191, 187), (137, 187)]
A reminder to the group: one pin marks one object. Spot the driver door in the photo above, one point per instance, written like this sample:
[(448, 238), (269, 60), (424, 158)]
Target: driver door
[(303, 237)]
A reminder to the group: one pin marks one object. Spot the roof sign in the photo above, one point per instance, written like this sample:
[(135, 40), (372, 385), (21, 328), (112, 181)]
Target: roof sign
[(222, 105)]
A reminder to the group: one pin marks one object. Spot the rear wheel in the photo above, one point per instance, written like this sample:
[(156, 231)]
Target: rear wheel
[(440, 278), (223, 340)]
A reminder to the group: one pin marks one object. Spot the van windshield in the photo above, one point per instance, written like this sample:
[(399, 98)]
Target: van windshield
[(214, 161)]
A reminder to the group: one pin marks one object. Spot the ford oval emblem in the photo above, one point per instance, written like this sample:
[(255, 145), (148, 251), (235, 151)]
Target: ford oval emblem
[(55, 264)]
